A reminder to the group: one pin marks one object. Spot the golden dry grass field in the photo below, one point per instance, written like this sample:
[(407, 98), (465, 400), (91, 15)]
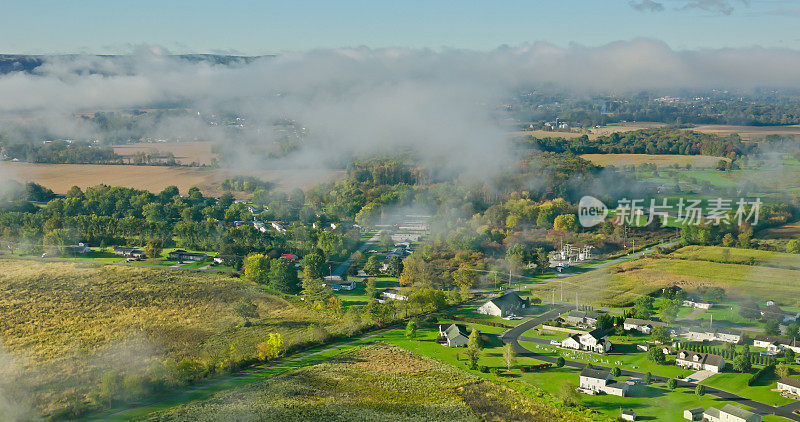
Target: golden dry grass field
[(65, 324), (697, 161), (623, 283), (747, 132), (592, 133), (184, 152), (61, 177), (786, 231)]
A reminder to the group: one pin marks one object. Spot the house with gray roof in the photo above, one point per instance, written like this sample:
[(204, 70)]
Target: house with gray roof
[(695, 414), (582, 319), (644, 326), (730, 413), (789, 387), (597, 381), (454, 335), (507, 304), (700, 361)]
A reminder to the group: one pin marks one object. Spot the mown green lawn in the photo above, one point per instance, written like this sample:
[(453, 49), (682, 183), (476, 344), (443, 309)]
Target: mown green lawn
[(654, 402), (737, 383)]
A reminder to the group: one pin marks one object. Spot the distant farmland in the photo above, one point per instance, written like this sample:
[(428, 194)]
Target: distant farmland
[(747, 132), (184, 152), (697, 161), (60, 177)]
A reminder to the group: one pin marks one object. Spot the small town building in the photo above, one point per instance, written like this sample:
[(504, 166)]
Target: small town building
[(698, 303), (789, 387), (595, 341), (128, 252), (507, 304), (394, 294), (597, 381), (78, 249), (700, 361), (730, 413), (344, 285), (644, 326), (695, 414), (628, 415), (776, 344), (181, 255), (454, 335), (582, 319), (720, 334)]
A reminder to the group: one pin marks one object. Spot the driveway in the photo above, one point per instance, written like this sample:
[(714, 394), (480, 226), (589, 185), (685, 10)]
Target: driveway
[(699, 376)]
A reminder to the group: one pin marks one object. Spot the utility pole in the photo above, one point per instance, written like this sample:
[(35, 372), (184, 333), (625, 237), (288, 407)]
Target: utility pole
[(634, 244), (495, 280), (562, 289), (509, 279), (554, 297)]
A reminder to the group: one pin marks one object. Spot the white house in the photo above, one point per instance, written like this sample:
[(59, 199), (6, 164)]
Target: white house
[(278, 227), (695, 414), (776, 344), (730, 413), (260, 226), (644, 326), (454, 335), (700, 361), (594, 341), (628, 415), (509, 303), (789, 387), (394, 294), (698, 303), (700, 334), (596, 381)]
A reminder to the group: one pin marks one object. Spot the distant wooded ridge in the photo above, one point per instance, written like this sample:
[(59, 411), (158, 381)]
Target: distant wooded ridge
[(28, 63)]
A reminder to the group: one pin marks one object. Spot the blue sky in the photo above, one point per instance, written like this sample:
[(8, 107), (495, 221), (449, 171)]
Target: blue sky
[(260, 27)]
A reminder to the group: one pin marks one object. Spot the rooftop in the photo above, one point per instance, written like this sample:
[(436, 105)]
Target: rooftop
[(595, 373), (737, 411), (790, 381)]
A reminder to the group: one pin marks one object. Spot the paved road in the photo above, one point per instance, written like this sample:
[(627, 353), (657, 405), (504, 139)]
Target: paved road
[(346, 264)]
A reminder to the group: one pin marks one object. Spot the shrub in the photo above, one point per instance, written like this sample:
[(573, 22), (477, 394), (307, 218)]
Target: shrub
[(484, 369), (769, 369)]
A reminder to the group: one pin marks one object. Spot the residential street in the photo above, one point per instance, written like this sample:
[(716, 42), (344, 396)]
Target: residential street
[(515, 334), (339, 270)]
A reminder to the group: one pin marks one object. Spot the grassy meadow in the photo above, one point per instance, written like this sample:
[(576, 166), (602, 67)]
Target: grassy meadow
[(739, 256), (377, 382), (68, 327)]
